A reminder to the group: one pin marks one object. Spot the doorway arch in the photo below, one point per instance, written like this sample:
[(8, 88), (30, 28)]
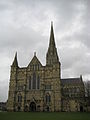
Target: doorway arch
[(32, 107), (19, 108), (26, 108), (47, 108), (81, 108)]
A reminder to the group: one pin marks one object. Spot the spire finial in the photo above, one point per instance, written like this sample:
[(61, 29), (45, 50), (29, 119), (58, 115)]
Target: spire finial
[(51, 23), (52, 41), (16, 54), (81, 77), (34, 53)]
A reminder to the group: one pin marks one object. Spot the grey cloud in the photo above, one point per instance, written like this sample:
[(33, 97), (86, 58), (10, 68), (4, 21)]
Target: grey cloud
[(25, 28)]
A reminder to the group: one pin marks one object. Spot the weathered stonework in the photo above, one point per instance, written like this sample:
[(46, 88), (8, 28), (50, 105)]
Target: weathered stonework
[(39, 88)]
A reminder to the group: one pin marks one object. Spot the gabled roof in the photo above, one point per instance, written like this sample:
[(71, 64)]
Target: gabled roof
[(71, 81), (34, 61)]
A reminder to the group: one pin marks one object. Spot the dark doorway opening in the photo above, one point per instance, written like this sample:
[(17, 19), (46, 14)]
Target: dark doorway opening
[(47, 108), (19, 108), (26, 108), (38, 108), (81, 108), (32, 107)]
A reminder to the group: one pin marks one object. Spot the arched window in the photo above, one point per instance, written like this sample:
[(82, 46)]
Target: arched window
[(38, 66), (35, 67), (48, 98), (34, 81), (38, 82), (19, 98), (30, 82)]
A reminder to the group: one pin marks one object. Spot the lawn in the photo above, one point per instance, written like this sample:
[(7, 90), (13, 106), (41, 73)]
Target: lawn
[(44, 116)]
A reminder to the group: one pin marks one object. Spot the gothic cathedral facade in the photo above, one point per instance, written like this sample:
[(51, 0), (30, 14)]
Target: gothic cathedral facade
[(40, 88)]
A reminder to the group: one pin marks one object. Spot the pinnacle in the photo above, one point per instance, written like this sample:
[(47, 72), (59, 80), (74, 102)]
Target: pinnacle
[(15, 62)]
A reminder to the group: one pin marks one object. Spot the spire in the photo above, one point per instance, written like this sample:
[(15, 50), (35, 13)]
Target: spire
[(52, 56), (15, 62), (81, 77), (52, 41)]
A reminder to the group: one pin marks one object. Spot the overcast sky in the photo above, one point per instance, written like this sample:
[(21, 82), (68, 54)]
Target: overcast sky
[(25, 28)]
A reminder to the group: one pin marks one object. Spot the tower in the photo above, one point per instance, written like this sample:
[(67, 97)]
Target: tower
[(12, 85), (53, 73)]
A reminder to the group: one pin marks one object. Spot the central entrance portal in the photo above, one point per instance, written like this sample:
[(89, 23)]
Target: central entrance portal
[(32, 107), (81, 108)]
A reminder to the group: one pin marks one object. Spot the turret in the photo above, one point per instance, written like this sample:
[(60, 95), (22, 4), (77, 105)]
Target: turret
[(15, 62), (12, 85)]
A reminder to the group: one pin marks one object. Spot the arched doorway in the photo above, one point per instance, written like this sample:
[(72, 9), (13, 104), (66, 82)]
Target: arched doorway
[(32, 107), (81, 108), (38, 108), (19, 108), (47, 108), (26, 108)]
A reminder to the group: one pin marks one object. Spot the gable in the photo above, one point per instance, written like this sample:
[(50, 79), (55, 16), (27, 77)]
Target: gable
[(34, 62)]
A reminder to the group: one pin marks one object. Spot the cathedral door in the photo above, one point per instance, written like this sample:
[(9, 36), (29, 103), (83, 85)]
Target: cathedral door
[(26, 108), (32, 107), (19, 108), (81, 108), (47, 108)]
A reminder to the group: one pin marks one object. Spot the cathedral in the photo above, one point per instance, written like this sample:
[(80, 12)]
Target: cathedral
[(41, 88)]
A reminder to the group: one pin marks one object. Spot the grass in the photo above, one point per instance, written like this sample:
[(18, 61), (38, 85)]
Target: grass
[(44, 116)]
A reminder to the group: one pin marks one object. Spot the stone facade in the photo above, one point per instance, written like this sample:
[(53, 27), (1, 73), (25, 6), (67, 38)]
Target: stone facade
[(73, 94), (40, 88)]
